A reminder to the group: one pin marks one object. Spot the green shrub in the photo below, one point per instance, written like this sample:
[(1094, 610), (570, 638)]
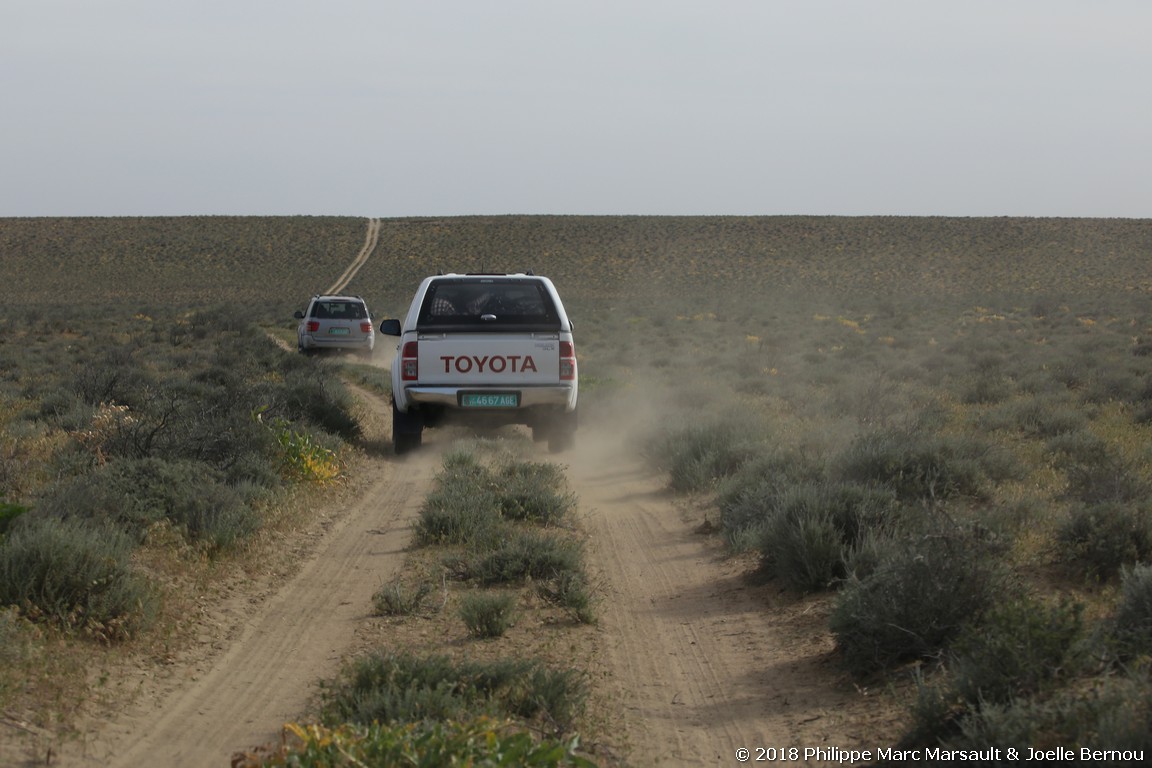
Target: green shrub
[(747, 498), (813, 529), (1107, 478), (1021, 648), (534, 491), (915, 466), (914, 603), (1114, 714), (8, 515), (475, 742), (399, 599), (488, 614), (1104, 537), (697, 456), (1036, 416), (1132, 624), (76, 575), (387, 687), (464, 506), (572, 592), (1078, 447), (526, 554), (985, 388), (314, 394), (135, 493)]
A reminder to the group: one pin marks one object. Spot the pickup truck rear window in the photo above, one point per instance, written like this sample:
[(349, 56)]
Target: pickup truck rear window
[(486, 305)]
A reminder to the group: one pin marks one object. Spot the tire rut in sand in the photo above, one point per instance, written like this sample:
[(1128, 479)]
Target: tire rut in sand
[(699, 661), (284, 640)]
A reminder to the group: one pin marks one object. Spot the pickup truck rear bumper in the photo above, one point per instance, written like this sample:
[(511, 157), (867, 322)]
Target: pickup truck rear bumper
[(530, 397)]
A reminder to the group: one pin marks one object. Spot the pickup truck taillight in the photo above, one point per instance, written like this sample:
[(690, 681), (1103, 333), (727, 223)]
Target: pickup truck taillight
[(567, 361), (410, 362)]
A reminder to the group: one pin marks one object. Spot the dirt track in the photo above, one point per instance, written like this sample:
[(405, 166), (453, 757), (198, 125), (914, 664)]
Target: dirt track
[(701, 661), (236, 688)]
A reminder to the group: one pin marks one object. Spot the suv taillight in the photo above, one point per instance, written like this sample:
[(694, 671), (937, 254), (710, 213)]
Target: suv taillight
[(365, 326), (567, 361), (313, 326), (410, 362)]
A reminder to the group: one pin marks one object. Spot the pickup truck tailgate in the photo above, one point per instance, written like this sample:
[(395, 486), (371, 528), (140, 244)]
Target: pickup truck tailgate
[(483, 360)]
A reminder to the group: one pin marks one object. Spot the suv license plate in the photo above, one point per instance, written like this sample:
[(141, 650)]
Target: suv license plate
[(338, 331), (490, 400)]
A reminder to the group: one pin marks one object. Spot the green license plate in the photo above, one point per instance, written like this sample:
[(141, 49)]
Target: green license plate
[(490, 400), (338, 331)]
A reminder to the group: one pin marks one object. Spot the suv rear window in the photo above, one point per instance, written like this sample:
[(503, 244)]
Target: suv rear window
[(481, 304), (339, 310)]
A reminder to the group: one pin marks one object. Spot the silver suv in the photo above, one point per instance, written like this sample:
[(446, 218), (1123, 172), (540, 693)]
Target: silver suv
[(335, 322)]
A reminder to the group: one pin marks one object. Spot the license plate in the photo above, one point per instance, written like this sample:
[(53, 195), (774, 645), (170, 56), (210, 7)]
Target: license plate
[(338, 331), (490, 400)]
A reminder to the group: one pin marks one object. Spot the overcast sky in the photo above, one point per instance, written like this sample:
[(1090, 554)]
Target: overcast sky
[(445, 107)]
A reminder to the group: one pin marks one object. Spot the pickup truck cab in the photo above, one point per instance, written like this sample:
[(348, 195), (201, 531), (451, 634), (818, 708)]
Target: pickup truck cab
[(486, 349)]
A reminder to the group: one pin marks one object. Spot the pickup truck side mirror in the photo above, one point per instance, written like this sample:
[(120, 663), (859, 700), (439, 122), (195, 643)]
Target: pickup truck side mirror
[(390, 327)]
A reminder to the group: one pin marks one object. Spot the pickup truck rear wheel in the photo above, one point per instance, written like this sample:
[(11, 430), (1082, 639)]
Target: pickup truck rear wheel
[(407, 430), (561, 440), (561, 432)]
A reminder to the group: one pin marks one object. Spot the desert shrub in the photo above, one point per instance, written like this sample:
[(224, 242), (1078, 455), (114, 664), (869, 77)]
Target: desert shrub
[(1105, 478), (698, 455), (63, 407), (387, 687), (488, 614), (533, 491), (302, 457), (75, 574), (1078, 447), (916, 466), (914, 603), (1021, 648), (313, 393), (1132, 624), (477, 741), (524, 554), (469, 500), (986, 388), (113, 375), (400, 599), (813, 529), (458, 512), (1036, 416), (8, 515), (747, 498), (1103, 537), (571, 591), (1113, 714), (135, 493)]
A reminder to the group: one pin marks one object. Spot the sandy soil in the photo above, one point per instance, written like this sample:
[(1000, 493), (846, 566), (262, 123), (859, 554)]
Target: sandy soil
[(701, 661)]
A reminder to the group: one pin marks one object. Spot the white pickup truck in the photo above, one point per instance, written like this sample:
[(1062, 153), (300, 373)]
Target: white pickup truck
[(488, 350)]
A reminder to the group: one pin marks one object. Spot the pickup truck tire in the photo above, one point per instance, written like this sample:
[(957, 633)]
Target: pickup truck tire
[(407, 431), (561, 440), (560, 431)]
